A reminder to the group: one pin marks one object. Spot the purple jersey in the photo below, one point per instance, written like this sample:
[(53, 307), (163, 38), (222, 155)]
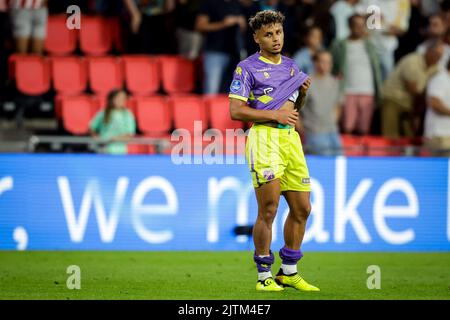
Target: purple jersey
[(266, 85)]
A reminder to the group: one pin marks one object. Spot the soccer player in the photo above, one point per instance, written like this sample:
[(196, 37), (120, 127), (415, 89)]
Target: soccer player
[(268, 89)]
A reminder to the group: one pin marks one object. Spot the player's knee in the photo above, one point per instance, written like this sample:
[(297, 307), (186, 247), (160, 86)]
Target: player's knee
[(268, 211), (302, 213)]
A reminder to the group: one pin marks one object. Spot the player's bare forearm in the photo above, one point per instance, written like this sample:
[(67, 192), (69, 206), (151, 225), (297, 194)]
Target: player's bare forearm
[(240, 111)]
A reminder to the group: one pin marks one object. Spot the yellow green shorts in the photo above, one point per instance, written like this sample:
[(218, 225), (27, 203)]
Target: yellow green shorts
[(274, 153)]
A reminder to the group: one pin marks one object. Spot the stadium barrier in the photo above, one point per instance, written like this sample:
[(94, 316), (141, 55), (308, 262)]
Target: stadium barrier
[(101, 202)]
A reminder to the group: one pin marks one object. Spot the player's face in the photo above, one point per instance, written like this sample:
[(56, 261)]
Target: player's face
[(270, 38)]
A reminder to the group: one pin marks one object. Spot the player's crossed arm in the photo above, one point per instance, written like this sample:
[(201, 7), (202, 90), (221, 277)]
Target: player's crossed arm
[(240, 111)]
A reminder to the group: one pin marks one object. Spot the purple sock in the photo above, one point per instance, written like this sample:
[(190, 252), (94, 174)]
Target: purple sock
[(264, 263), (289, 256)]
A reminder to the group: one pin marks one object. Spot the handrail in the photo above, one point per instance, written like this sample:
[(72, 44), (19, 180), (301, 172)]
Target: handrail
[(93, 143)]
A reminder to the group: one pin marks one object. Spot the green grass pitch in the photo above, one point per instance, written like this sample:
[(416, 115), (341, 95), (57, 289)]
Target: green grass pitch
[(217, 275)]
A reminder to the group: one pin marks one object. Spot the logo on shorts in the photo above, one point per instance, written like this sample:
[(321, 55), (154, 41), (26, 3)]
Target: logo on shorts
[(306, 180), (269, 174), (236, 86)]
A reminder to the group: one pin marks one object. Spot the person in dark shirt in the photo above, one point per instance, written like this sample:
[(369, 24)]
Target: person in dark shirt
[(222, 22)]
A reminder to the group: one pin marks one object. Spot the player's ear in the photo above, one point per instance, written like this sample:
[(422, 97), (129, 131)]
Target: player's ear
[(255, 37)]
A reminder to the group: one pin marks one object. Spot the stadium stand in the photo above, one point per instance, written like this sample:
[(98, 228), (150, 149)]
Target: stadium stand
[(218, 110), (142, 74), (22, 66), (60, 40), (105, 74), (177, 74), (95, 36), (186, 109), (153, 115), (69, 75), (77, 112)]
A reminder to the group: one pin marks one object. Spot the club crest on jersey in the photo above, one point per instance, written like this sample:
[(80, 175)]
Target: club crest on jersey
[(269, 174), (236, 86), (266, 75)]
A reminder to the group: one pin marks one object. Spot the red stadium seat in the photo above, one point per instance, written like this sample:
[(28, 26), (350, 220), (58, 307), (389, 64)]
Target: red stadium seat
[(69, 75), (77, 113), (32, 74), (352, 145), (177, 74), (379, 146), (60, 40), (218, 110), (186, 110), (141, 74), (153, 115), (95, 36), (105, 74)]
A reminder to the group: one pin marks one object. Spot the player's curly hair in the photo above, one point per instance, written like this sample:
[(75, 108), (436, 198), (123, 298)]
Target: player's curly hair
[(265, 17)]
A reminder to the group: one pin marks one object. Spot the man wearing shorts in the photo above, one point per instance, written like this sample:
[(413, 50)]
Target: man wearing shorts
[(29, 21), (268, 89)]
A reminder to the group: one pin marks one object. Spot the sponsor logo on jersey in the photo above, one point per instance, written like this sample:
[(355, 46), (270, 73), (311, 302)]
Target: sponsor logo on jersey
[(267, 90)]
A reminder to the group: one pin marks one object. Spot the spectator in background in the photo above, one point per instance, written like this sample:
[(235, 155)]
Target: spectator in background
[(437, 30), (151, 25), (115, 123), (222, 23), (316, 13), (322, 109), (342, 10), (395, 15), (405, 84), (189, 41), (304, 57), (29, 25), (356, 63), (437, 119)]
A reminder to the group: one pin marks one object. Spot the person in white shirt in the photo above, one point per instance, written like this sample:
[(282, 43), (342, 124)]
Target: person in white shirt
[(341, 11), (437, 117), (356, 63), (395, 15)]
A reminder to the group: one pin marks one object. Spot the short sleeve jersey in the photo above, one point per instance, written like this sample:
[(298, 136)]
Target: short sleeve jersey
[(265, 85)]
